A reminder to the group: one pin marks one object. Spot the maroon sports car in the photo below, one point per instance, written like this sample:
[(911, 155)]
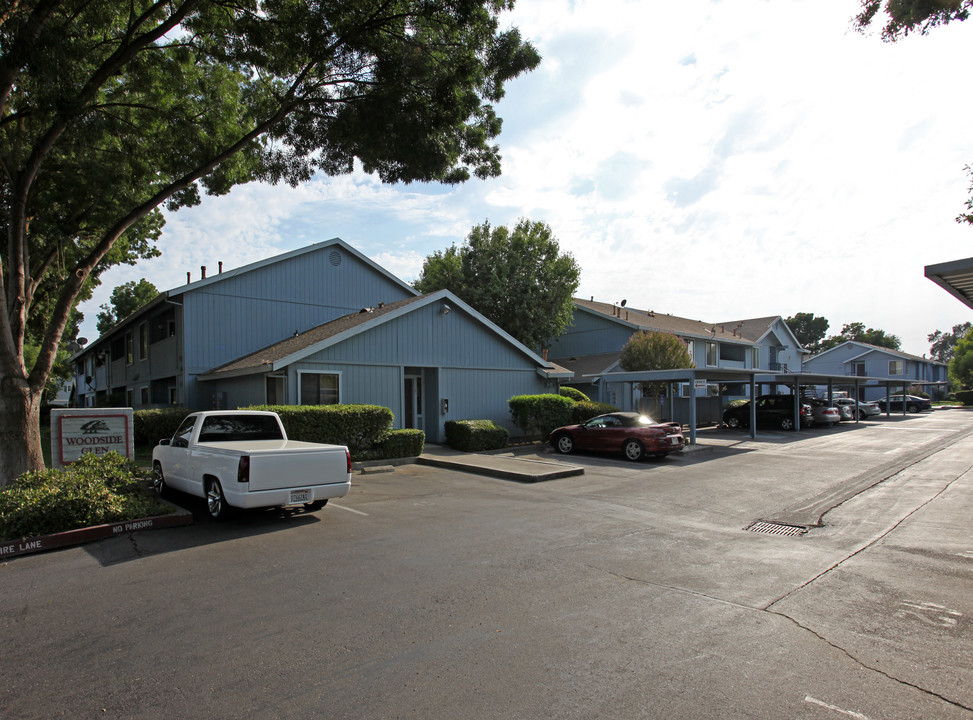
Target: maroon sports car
[(634, 435)]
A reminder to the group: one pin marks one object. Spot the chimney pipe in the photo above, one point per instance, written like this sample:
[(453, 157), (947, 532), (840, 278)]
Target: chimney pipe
[(221, 266), (189, 278), (202, 271), (544, 354)]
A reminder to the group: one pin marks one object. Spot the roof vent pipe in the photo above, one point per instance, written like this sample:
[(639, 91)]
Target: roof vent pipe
[(189, 278), (202, 271), (221, 266)]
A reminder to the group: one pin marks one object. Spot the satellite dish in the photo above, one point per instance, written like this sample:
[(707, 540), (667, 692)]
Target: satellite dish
[(623, 302), (82, 341), (73, 347)]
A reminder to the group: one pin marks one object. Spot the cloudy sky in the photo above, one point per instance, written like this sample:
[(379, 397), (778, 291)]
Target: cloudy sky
[(711, 159)]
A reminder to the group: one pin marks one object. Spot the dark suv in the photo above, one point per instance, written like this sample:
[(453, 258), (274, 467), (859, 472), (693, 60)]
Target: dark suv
[(776, 410)]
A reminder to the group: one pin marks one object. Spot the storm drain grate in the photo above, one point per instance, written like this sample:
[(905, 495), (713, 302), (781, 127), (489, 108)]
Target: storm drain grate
[(777, 529)]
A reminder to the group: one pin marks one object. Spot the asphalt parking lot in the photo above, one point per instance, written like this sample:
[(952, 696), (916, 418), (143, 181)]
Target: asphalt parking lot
[(631, 591)]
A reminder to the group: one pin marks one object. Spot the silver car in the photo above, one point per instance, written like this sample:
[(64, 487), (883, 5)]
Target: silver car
[(865, 409)]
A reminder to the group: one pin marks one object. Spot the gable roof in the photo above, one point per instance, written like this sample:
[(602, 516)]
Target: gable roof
[(581, 365), (868, 348), (222, 276), (243, 270), (651, 320), (758, 328), (281, 354)]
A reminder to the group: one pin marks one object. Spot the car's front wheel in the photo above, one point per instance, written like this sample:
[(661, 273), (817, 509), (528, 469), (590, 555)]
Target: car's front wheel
[(564, 444), (633, 450), (912, 408), (215, 501), (733, 422), (787, 423)]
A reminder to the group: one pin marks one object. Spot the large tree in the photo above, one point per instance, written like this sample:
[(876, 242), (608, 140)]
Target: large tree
[(900, 18), (124, 300), (109, 110), (961, 366), (518, 278), (943, 344), (808, 328), (859, 333)]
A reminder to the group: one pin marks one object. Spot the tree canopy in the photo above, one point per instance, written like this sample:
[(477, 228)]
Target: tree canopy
[(654, 350), (961, 366), (125, 299), (110, 110), (518, 278), (900, 18), (943, 344), (808, 328), (858, 332)]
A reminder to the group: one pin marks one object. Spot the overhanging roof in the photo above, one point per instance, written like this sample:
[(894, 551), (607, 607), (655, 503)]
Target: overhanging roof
[(954, 277), (759, 376)]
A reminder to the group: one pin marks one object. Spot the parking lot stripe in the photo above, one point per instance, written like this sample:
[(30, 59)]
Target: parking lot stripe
[(342, 507)]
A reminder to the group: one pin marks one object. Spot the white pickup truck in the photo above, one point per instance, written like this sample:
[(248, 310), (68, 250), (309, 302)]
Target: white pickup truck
[(243, 459)]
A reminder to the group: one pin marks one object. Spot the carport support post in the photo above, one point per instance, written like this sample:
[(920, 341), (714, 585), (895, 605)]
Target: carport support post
[(857, 411), (753, 407), (692, 407)]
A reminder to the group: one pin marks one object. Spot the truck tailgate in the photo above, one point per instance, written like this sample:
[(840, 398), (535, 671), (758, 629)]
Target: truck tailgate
[(298, 467)]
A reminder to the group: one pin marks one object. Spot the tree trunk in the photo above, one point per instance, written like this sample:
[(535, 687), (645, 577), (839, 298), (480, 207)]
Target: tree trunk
[(20, 437)]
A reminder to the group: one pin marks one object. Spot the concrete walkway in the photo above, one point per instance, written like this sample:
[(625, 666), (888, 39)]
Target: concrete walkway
[(527, 466)]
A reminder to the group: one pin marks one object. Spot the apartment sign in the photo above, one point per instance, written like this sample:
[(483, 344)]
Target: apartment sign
[(75, 432)]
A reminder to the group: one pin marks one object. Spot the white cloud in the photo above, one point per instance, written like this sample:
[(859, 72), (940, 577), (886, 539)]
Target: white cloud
[(709, 159)]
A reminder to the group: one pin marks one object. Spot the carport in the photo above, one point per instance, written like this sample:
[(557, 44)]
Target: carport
[(700, 377)]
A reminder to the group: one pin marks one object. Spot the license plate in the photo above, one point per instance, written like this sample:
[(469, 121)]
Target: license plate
[(300, 496)]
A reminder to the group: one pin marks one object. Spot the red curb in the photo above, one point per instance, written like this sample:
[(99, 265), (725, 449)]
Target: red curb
[(42, 543)]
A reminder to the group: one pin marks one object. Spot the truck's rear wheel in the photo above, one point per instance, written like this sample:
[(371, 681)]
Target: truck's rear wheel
[(215, 501), (316, 505)]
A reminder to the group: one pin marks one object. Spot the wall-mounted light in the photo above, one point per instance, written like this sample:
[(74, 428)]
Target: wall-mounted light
[(445, 309)]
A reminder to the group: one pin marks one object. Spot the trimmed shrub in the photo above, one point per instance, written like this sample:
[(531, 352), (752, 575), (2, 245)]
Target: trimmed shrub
[(95, 490), (586, 410), (475, 435), (539, 414), (150, 426), (574, 394), (360, 427), (398, 444), (965, 396)]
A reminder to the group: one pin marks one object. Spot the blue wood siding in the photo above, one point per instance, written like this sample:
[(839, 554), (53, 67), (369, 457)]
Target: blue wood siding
[(590, 335), (238, 315)]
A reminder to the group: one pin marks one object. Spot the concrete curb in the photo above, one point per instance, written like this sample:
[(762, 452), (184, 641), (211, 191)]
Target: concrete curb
[(79, 536), (492, 468)]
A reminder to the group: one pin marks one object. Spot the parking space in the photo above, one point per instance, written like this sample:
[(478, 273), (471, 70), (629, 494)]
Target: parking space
[(633, 590)]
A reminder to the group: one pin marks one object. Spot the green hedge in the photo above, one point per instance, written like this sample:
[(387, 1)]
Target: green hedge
[(475, 435), (360, 427), (965, 396), (95, 490), (539, 414), (150, 426), (574, 394), (398, 444), (586, 410)]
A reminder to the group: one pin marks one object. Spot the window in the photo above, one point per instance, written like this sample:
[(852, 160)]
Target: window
[(858, 369), (711, 354), (181, 437), (689, 348), (733, 353), (129, 397), (276, 390), (896, 367), (143, 341), (144, 395), (318, 389), (129, 348)]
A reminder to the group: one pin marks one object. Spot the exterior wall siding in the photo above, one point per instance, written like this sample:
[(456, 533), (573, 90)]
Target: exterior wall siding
[(590, 335), (240, 314)]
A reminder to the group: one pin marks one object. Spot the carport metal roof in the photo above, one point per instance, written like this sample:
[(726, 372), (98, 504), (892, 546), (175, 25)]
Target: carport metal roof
[(954, 277), (753, 378)]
